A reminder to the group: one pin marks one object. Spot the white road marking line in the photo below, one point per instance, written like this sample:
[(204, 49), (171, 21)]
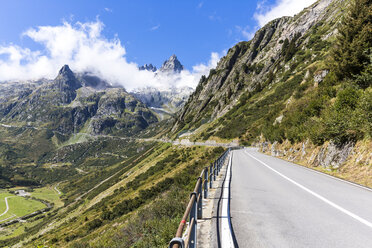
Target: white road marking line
[(226, 236), (356, 217), (325, 174)]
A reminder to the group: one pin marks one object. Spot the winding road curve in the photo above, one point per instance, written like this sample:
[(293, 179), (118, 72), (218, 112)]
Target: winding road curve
[(7, 206), (57, 190), (275, 203)]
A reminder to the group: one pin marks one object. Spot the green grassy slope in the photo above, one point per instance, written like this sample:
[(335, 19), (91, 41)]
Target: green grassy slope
[(18, 206), (139, 206)]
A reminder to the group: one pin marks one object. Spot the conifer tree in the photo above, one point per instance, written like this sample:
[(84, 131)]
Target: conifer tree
[(353, 47)]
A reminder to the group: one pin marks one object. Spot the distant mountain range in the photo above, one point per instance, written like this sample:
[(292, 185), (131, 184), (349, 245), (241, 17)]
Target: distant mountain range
[(75, 101), (72, 102), (168, 100), (171, 65)]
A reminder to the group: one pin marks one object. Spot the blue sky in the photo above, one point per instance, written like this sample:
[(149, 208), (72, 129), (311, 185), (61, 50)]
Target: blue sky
[(148, 31)]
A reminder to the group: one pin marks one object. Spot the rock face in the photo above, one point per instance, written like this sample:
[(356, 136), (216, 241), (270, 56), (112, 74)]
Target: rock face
[(89, 80), (70, 102), (66, 84), (328, 155), (260, 62), (171, 65), (147, 67), (169, 100), (333, 156)]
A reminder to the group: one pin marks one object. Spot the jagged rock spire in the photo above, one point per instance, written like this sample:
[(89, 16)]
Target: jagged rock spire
[(147, 67), (172, 65), (65, 70), (66, 79)]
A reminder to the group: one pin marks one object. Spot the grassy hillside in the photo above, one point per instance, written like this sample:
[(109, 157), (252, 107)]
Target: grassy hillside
[(139, 204)]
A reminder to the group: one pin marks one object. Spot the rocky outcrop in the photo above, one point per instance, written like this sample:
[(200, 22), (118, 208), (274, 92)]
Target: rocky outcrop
[(332, 156), (352, 161), (171, 99), (172, 65), (327, 156), (89, 80), (147, 67)]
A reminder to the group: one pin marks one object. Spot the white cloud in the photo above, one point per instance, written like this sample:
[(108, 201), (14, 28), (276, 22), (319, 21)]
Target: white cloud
[(83, 47), (155, 27), (108, 9), (265, 13), (185, 77), (200, 5), (246, 32), (214, 17)]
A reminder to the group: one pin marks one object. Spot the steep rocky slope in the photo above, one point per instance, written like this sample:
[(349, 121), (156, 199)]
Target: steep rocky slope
[(271, 57)]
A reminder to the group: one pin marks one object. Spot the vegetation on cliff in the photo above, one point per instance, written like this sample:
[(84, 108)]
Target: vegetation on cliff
[(317, 86)]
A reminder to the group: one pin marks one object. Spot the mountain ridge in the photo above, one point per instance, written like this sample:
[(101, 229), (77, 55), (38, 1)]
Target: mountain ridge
[(251, 66)]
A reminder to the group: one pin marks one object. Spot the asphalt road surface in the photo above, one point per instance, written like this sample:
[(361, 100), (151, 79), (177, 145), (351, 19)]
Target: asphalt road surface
[(275, 203)]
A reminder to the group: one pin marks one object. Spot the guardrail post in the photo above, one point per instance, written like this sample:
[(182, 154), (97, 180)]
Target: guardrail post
[(193, 235), (199, 199), (193, 215), (210, 175), (214, 171), (205, 182)]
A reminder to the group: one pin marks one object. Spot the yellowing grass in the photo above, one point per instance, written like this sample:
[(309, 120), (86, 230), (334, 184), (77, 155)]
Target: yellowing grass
[(48, 194)]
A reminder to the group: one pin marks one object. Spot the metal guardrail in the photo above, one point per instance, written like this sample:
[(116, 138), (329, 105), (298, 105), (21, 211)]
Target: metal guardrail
[(194, 209)]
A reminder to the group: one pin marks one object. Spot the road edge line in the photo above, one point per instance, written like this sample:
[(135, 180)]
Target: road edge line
[(345, 211), (322, 173)]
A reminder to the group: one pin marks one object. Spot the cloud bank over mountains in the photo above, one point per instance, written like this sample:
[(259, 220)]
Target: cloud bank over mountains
[(265, 13), (83, 47)]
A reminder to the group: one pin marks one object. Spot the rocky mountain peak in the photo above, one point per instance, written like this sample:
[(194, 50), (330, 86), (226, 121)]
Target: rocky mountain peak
[(66, 79), (172, 65), (65, 70), (147, 67)]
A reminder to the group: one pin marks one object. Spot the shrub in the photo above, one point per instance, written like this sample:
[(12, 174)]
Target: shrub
[(94, 224)]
